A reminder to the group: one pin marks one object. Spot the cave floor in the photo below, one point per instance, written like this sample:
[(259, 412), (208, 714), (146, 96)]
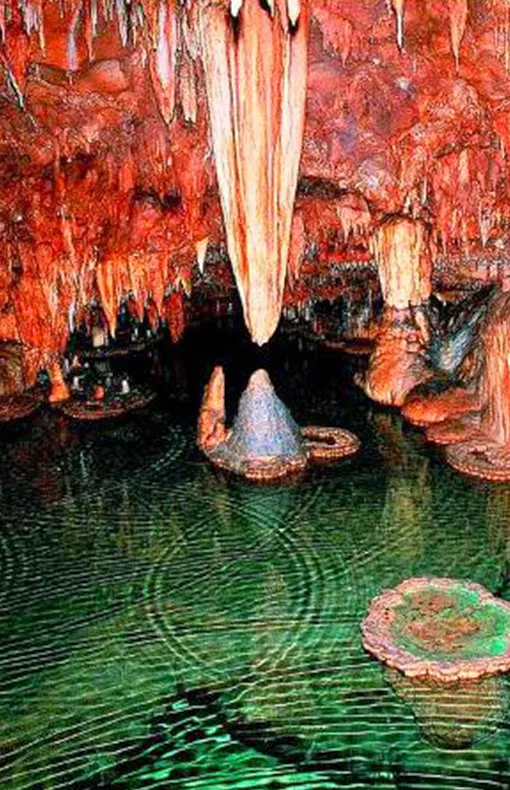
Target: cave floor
[(163, 625)]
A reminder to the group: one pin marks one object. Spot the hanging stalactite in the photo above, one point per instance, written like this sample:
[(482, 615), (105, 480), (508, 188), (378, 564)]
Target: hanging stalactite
[(256, 88), (458, 19)]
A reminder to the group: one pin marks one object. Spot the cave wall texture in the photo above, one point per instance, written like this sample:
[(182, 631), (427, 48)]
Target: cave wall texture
[(138, 139)]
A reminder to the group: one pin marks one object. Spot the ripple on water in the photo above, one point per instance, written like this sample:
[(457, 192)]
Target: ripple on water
[(167, 626)]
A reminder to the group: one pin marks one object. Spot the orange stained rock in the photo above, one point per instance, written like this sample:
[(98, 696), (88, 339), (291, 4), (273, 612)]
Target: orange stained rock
[(425, 410), (396, 367), (175, 312), (211, 421), (255, 74), (109, 182)]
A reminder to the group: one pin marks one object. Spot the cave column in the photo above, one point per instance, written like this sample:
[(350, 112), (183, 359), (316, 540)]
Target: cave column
[(399, 362), (401, 250)]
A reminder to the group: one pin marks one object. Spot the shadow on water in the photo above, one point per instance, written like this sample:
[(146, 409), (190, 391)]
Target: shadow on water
[(171, 735)]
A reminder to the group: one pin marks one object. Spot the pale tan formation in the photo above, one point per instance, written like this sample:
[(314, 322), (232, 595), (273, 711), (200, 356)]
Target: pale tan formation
[(255, 72), (211, 421), (458, 19), (397, 364), (398, 7), (163, 57), (402, 253)]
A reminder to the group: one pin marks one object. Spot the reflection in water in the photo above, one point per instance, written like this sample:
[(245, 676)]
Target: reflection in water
[(454, 716), (408, 495), (164, 625), (498, 522)]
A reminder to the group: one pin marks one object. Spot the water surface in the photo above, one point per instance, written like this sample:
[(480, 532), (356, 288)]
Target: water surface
[(164, 625)]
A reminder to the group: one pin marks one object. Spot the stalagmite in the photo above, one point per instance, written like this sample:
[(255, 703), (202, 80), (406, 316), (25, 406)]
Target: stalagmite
[(458, 19), (59, 389), (211, 421), (401, 250), (256, 89)]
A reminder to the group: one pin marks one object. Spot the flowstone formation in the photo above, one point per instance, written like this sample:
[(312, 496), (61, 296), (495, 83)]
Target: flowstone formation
[(471, 419), (264, 442), (399, 361), (485, 451)]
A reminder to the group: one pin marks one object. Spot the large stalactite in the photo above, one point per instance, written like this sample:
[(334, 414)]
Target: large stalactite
[(255, 63)]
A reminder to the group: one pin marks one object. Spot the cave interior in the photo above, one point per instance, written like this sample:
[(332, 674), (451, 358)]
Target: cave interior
[(206, 206)]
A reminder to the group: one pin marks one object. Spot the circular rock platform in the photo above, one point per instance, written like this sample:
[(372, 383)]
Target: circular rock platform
[(328, 444), (89, 409), (481, 458), (455, 431), (16, 407), (426, 409), (444, 630)]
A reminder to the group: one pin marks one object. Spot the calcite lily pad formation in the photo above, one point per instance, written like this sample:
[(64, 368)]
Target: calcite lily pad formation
[(108, 406), (264, 442), (439, 629)]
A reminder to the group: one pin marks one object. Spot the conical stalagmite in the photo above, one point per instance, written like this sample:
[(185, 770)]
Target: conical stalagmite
[(255, 69), (263, 427)]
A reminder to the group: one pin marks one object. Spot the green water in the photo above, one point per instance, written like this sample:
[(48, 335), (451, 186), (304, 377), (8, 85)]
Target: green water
[(162, 625)]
